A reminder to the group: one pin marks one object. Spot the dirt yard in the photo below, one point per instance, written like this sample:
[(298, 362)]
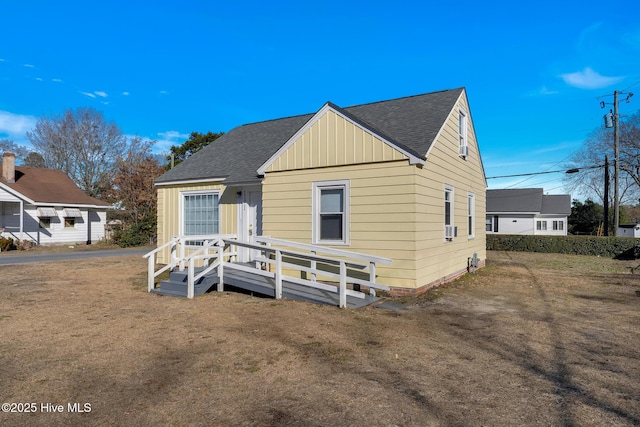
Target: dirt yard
[(531, 340)]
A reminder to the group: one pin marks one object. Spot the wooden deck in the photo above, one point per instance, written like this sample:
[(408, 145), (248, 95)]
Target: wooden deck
[(235, 280)]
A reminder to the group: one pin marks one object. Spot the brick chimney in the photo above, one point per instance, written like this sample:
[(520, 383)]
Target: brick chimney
[(9, 166)]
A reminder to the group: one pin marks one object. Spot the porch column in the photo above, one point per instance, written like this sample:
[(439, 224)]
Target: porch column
[(21, 219)]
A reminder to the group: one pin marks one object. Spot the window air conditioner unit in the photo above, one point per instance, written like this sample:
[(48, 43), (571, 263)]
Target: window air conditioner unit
[(464, 150), (450, 232)]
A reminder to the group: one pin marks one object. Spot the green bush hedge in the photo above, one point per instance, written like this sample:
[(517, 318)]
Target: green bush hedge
[(614, 247)]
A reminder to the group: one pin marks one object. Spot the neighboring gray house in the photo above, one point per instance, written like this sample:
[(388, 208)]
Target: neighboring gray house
[(629, 230), (527, 211)]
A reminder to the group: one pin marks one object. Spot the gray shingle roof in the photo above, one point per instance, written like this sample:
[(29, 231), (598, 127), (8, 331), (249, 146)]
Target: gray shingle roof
[(527, 200), (411, 123), (556, 204)]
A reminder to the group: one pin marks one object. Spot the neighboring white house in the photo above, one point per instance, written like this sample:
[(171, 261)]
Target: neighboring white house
[(527, 211), (628, 230), (44, 206)]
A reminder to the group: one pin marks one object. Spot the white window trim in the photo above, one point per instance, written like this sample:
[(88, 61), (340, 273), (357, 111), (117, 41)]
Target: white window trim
[(192, 193), (315, 212), (471, 213), (463, 119), (450, 234)]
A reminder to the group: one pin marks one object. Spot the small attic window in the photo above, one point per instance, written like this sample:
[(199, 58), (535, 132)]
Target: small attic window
[(46, 212), (72, 213)]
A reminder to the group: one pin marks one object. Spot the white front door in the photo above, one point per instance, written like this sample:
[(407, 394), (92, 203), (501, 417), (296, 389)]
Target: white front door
[(254, 216), (250, 205)]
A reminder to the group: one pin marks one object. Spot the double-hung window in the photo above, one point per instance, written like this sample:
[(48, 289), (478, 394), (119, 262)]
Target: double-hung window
[(331, 212), (462, 133), (492, 223), (200, 214), (449, 230), (471, 214)]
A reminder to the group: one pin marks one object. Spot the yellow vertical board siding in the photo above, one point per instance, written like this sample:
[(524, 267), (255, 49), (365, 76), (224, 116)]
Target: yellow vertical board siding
[(169, 215), (334, 141), (377, 226)]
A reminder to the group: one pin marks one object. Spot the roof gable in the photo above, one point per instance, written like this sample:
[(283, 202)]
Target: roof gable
[(358, 143)]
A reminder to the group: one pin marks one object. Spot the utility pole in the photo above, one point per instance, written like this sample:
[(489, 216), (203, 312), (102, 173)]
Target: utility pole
[(606, 195), (616, 164), (613, 120)]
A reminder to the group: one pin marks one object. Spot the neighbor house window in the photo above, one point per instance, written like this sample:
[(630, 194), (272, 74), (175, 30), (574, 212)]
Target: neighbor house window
[(331, 212), (200, 213), (69, 222), (558, 225), (449, 230), (471, 213), (462, 133), (45, 222), (492, 223), (541, 225)]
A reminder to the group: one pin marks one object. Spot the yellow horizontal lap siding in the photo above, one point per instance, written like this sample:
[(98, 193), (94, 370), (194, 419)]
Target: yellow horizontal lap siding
[(333, 141), (377, 227), (169, 215), (436, 258)]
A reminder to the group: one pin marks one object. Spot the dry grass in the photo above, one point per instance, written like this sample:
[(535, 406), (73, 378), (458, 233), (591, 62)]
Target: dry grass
[(532, 339)]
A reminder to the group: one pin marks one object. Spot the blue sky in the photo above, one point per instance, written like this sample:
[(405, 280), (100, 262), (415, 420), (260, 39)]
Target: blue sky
[(534, 73)]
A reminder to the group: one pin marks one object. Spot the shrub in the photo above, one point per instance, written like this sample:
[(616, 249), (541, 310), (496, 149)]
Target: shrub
[(25, 245), (6, 244), (613, 247)]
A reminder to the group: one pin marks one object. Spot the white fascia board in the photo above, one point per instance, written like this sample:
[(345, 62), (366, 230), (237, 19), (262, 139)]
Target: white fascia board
[(74, 205), (262, 169), (17, 194), (189, 181), (513, 213)]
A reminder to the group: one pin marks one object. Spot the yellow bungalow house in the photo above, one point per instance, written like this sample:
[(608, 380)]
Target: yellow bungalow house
[(400, 179)]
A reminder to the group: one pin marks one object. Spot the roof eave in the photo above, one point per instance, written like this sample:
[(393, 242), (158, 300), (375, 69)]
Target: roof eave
[(190, 181)]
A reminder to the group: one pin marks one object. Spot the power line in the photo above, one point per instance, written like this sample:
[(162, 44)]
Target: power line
[(546, 172)]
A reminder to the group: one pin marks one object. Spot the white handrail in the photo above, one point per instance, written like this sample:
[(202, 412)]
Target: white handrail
[(265, 245), (331, 251)]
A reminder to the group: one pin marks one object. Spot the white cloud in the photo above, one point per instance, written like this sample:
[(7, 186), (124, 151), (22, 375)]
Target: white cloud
[(546, 91), (125, 93), (14, 126), (39, 79), (163, 92), (29, 66), (173, 135), (167, 139), (101, 93), (589, 79), (56, 80), (89, 94)]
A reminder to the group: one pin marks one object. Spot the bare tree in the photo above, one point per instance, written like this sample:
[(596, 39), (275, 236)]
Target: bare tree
[(133, 191), (589, 181), (82, 144), (8, 145)]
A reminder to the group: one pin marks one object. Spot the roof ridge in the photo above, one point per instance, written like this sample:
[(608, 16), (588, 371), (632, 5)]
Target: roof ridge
[(404, 97), (351, 106)]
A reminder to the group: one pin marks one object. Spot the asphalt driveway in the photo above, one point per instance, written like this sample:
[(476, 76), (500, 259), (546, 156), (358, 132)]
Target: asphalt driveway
[(15, 257)]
